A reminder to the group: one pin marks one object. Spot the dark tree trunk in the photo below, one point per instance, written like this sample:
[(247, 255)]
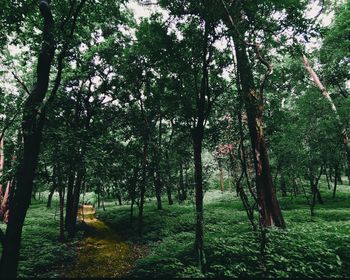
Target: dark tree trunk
[(61, 198), (183, 194), (327, 178), (283, 186), (76, 195), (69, 204), (119, 198), (336, 175), (270, 211), (49, 198), (98, 199), (222, 182), (197, 148), (157, 185), (32, 126), (143, 184)]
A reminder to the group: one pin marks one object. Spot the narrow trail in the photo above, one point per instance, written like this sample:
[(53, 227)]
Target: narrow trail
[(102, 252)]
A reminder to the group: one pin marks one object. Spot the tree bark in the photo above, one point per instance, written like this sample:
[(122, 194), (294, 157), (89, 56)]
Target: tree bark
[(143, 183), (32, 136), (69, 204), (269, 208), (335, 111), (76, 195), (197, 153), (336, 174), (49, 198)]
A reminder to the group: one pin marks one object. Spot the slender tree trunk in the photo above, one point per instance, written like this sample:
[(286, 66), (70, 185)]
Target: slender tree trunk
[(61, 196), (229, 180), (183, 194), (197, 148), (283, 186), (49, 198), (119, 198), (32, 133), (326, 95), (327, 178), (270, 211), (143, 184), (222, 182), (336, 172), (76, 195), (69, 204)]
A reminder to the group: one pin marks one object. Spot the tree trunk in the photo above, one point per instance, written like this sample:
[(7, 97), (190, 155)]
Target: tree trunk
[(326, 95), (32, 126), (222, 182), (197, 153), (229, 180), (270, 211), (119, 198), (283, 186), (327, 178), (49, 198), (182, 195), (76, 195), (157, 185), (61, 196), (143, 183), (336, 175), (69, 204)]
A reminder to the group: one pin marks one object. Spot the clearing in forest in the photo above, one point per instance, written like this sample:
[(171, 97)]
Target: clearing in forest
[(102, 252)]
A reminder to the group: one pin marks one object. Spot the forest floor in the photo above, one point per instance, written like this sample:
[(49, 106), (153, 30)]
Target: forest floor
[(102, 252), (311, 246)]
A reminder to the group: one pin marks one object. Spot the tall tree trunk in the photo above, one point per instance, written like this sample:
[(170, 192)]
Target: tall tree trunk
[(49, 198), (61, 198), (270, 211), (32, 126), (326, 95), (327, 178), (119, 198), (158, 190), (197, 153), (76, 195), (182, 195), (69, 204), (143, 183), (222, 182), (229, 179), (336, 172), (283, 186)]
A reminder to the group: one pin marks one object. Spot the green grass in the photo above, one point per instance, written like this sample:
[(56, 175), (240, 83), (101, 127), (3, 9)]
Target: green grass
[(42, 254), (311, 246), (316, 246)]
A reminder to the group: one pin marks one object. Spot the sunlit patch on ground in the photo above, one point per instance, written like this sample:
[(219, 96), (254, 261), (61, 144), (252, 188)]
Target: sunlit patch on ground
[(102, 253)]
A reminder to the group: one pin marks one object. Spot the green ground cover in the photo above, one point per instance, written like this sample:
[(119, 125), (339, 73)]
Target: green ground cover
[(311, 246)]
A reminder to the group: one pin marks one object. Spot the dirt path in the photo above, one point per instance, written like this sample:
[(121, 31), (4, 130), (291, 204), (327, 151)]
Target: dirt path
[(102, 253)]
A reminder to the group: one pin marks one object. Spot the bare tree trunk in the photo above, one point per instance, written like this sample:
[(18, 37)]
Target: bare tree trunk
[(197, 147), (229, 179), (61, 197), (334, 109), (143, 183), (222, 182), (49, 198), (69, 204), (32, 126), (270, 211), (336, 172), (327, 178)]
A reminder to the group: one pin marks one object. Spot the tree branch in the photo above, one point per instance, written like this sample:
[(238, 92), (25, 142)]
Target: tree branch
[(21, 83)]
